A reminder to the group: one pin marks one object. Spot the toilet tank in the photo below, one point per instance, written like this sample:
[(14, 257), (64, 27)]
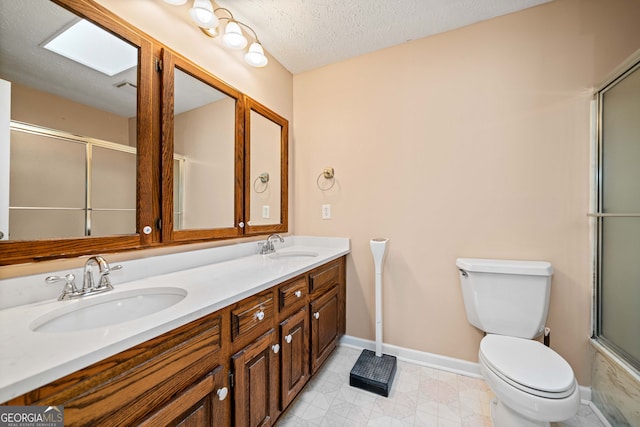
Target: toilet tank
[(506, 297)]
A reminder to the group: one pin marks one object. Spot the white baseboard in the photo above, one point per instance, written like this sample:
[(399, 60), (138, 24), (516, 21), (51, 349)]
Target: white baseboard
[(431, 360), (444, 363)]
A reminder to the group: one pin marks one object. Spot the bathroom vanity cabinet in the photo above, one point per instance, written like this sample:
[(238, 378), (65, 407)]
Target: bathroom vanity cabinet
[(242, 365), (179, 370)]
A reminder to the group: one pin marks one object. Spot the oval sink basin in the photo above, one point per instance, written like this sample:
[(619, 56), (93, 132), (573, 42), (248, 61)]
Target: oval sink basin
[(294, 255), (108, 309)]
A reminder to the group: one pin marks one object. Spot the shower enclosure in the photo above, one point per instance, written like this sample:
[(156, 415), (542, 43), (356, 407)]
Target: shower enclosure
[(617, 222)]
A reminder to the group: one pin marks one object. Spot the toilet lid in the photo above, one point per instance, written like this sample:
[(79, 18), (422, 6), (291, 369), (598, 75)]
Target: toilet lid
[(531, 365)]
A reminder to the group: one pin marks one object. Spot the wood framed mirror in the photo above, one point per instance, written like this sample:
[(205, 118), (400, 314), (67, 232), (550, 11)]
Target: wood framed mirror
[(79, 145), (100, 161), (202, 152), (266, 170)]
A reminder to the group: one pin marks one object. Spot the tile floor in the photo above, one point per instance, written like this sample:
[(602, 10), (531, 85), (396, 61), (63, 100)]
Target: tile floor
[(420, 396)]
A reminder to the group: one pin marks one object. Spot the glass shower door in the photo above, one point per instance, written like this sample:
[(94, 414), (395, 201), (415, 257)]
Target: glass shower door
[(618, 218)]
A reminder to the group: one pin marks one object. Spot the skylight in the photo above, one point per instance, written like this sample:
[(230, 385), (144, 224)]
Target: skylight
[(94, 47)]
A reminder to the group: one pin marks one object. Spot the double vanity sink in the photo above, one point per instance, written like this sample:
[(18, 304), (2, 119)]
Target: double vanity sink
[(50, 338), (112, 308)]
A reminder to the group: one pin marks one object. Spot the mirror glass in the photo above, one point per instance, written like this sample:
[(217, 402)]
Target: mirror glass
[(264, 171), (69, 153), (204, 155)]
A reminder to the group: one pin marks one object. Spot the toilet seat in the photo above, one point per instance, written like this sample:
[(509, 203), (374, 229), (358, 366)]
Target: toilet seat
[(528, 365)]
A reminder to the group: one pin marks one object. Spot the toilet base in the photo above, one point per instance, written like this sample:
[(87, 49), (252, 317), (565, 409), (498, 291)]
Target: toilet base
[(503, 416)]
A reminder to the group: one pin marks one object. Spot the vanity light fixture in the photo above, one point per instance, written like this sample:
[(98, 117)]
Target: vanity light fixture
[(208, 19)]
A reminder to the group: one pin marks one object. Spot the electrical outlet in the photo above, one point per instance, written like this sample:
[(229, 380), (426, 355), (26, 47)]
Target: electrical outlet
[(326, 211), (266, 211)]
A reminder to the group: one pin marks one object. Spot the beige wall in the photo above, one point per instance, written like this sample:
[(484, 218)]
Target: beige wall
[(473, 143)]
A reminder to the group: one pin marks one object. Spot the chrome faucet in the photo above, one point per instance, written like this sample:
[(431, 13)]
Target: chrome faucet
[(89, 286), (267, 246), (104, 284)]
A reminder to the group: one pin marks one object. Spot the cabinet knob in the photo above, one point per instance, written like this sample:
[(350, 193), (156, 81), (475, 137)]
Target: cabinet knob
[(222, 393), (260, 315), (288, 339), (316, 315), (298, 293), (275, 348)]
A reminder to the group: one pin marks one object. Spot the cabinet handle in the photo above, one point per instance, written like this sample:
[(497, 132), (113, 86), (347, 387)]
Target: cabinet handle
[(260, 315), (222, 393), (288, 339), (316, 315), (275, 348), (298, 293)]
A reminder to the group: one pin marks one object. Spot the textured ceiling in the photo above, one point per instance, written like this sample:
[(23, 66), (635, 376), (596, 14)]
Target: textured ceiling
[(307, 34)]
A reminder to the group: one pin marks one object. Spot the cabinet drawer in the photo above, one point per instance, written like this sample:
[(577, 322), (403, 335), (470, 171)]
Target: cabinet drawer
[(254, 311), (292, 294), (325, 277)]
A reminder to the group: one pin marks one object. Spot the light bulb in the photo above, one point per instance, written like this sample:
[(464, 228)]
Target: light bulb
[(233, 37), (255, 56), (175, 2), (202, 14)]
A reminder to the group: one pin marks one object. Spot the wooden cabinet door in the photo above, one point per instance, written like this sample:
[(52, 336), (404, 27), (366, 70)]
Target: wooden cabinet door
[(324, 327), (256, 377), (199, 405), (295, 355)]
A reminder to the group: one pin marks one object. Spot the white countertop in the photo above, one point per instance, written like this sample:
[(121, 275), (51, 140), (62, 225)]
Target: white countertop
[(31, 359)]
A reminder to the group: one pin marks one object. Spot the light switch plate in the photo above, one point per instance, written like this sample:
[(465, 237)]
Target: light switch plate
[(266, 211)]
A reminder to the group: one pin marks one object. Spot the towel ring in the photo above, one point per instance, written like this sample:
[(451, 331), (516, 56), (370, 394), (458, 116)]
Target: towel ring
[(263, 178), (329, 174)]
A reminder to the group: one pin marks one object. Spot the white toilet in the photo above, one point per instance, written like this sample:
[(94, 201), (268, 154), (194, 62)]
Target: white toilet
[(509, 300)]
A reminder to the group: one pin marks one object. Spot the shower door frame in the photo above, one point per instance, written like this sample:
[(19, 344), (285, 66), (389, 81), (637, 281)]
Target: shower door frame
[(627, 68)]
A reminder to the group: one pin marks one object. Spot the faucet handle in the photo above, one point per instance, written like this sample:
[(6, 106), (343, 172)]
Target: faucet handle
[(115, 267), (104, 276), (69, 287), (68, 278)]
